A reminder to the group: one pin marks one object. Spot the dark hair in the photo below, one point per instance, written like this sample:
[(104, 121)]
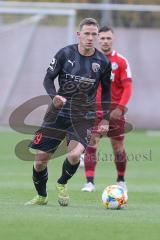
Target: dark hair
[(106, 29), (88, 21)]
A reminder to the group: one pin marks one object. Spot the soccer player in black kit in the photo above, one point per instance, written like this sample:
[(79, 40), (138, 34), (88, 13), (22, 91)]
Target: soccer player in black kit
[(80, 68)]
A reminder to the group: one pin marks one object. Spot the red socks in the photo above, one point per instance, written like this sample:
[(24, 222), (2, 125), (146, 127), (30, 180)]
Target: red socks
[(90, 161), (120, 162)]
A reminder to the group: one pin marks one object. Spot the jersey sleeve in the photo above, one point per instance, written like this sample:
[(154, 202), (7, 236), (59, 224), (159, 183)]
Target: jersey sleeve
[(52, 72), (106, 91), (125, 71), (126, 79), (127, 92)]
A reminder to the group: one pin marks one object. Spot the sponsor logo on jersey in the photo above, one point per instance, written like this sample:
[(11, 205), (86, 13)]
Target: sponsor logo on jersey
[(114, 65), (80, 79), (71, 62), (74, 83), (95, 67)]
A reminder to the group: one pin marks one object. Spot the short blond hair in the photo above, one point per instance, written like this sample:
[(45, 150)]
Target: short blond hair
[(88, 22)]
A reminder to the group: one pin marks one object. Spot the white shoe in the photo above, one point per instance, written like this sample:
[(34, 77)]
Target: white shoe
[(124, 186), (89, 187), (81, 165)]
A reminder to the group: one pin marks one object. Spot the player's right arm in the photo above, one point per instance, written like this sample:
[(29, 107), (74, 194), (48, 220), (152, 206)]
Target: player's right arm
[(48, 83)]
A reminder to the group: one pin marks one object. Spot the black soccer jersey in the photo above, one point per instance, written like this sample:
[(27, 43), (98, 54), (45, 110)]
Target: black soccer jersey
[(78, 75)]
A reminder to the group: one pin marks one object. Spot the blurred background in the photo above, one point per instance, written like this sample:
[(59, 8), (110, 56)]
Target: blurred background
[(32, 32)]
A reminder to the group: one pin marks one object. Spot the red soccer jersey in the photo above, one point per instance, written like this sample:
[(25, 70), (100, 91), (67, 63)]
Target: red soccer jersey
[(121, 79)]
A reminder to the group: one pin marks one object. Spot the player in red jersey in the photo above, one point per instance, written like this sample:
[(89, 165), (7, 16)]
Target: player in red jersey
[(121, 89)]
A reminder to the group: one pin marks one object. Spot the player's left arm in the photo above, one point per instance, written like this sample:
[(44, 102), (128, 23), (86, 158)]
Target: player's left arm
[(127, 92), (105, 99), (106, 91), (126, 82)]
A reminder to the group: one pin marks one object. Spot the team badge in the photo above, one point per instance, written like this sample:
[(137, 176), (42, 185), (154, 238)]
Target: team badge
[(114, 65), (95, 67)]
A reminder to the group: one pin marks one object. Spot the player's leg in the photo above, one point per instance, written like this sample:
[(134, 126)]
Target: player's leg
[(116, 133), (40, 178), (46, 141), (69, 168), (46, 145), (90, 162), (120, 160)]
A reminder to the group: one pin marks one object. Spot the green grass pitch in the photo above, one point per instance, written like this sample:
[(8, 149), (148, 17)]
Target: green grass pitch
[(85, 217)]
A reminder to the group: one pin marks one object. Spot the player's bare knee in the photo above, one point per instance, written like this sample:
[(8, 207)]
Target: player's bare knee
[(41, 161), (75, 150), (117, 146), (73, 157)]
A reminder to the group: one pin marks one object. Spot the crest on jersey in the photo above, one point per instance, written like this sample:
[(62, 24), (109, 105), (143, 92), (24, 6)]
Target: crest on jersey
[(95, 67), (114, 65)]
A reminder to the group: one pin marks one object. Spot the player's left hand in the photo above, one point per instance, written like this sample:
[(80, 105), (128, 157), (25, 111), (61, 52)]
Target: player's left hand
[(116, 113), (103, 127)]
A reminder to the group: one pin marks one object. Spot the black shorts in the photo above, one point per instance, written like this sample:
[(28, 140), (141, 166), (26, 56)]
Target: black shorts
[(57, 126)]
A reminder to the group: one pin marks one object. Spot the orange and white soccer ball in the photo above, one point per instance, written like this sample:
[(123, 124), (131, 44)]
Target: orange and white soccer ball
[(113, 197)]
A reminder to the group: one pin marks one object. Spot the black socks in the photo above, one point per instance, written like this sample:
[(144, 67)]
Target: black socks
[(120, 178), (40, 181), (68, 171), (40, 178), (90, 179)]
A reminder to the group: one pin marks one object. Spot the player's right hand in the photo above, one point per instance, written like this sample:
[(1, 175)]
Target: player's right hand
[(59, 101)]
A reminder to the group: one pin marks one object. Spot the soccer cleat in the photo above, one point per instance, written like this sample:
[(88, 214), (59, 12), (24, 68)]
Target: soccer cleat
[(38, 200), (124, 186), (89, 187), (63, 196)]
